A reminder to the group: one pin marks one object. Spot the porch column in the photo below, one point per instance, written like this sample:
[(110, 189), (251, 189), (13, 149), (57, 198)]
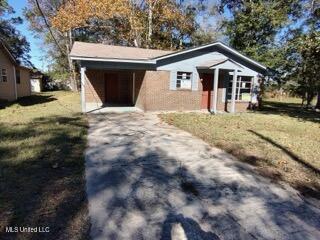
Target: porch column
[(215, 91), (133, 87), (83, 80), (234, 88)]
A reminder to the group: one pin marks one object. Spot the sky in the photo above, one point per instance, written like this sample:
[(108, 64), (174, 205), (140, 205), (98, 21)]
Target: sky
[(36, 45)]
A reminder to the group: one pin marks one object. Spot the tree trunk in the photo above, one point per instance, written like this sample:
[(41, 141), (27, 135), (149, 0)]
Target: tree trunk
[(260, 94), (310, 96), (72, 72), (134, 35), (150, 12)]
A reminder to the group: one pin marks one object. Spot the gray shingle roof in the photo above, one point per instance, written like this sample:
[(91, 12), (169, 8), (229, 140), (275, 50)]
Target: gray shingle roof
[(97, 50)]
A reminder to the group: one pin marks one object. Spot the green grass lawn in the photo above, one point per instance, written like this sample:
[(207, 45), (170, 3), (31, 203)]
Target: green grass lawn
[(42, 180), (282, 141)]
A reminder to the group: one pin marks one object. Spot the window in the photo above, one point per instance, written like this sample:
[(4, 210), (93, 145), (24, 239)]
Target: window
[(18, 80), (4, 77), (184, 80), (243, 88)]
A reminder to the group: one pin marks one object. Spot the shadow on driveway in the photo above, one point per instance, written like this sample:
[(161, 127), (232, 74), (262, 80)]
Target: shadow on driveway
[(135, 170)]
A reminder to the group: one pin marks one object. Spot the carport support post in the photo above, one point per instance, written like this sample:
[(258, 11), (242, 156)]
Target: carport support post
[(215, 90), (234, 88), (83, 80)]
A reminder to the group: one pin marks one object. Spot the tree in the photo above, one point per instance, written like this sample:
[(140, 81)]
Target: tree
[(303, 53), (145, 23), (58, 45), (269, 32), (17, 44), (255, 24)]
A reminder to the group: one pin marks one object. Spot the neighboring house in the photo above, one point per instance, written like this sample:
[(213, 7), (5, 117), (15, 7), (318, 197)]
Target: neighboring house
[(213, 77), (14, 79)]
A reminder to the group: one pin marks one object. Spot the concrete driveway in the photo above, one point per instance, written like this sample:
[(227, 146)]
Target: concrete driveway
[(148, 180)]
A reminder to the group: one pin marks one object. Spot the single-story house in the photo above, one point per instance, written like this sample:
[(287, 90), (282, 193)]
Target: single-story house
[(14, 79), (213, 77)]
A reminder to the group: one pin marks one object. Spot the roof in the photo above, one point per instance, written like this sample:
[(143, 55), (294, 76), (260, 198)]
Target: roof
[(3, 46), (98, 50), (111, 53), (220, 44), (25, 68), (7, 52)]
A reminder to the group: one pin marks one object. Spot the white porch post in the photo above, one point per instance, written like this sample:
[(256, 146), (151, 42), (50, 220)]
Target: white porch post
[(234, 88), (83, 80), (215, 90)]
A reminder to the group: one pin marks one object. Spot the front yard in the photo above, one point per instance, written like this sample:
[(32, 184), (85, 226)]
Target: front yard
[(43, 138), (282, 141), (42, 166)]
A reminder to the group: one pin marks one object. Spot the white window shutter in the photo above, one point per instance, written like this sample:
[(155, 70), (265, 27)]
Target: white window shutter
[(173, 80), (195, 81)]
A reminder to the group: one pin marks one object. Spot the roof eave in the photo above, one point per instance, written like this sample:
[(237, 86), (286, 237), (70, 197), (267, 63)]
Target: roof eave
[(144, 61), (12, 59), (210, 45)]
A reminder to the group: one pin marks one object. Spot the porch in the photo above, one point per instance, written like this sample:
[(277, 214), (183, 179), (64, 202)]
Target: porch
[(226, 86)]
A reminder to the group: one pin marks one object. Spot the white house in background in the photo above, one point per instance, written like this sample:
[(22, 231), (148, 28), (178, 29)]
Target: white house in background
[(36, 82), (14, 79)]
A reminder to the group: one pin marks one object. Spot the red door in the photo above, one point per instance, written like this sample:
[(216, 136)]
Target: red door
[(111, 87), (207, 85)]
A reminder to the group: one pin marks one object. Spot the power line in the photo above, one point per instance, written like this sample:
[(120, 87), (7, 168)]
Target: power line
[(48, 26)]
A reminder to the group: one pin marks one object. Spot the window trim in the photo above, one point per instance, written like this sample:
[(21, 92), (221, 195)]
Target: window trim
[(4, 75), (190, 79), (238, 89)]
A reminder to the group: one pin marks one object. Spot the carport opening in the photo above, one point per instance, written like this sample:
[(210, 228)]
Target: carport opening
[(119, 88)]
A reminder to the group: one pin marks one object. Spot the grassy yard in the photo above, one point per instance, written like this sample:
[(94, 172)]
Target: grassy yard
[(42, 166), (282, 141)]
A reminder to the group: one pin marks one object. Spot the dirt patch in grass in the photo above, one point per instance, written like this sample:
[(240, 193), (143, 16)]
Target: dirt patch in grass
[(282, 141), (42, 180)]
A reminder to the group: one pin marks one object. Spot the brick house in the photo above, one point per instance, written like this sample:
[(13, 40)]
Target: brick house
[(214, 77), (14, 79)]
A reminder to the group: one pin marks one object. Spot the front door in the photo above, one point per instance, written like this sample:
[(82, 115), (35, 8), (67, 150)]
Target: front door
[(207, 86)]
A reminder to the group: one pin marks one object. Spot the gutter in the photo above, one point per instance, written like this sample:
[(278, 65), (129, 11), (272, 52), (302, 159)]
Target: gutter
[(113, 60)]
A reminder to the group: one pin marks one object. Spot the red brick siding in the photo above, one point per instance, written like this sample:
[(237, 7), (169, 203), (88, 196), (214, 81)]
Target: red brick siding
[(160, 97), (152, 92), (140, 89), (94, 86)]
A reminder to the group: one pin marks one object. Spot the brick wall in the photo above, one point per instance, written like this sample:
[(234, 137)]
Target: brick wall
[(152, 92), (94, 86), (159, 97), (140, 90), (240, 106)]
